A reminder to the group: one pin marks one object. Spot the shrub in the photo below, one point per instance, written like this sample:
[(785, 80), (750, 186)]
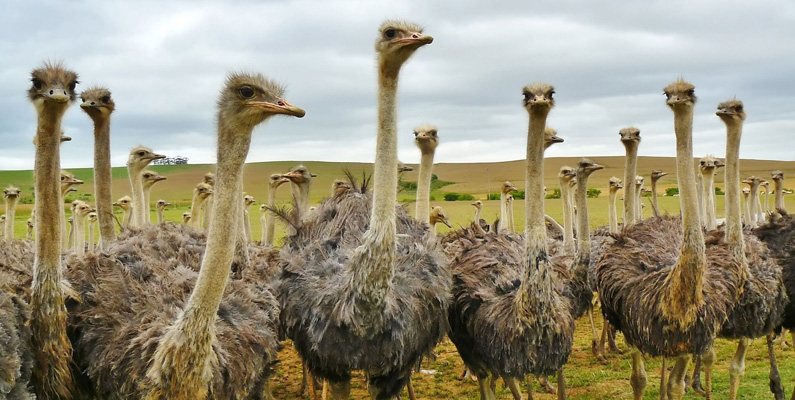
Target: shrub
[(452, 196), (26, 200), (592, 193), (719, 191), (466, 196), (493, 196), (673, 191), (518, 194), (554, 195)]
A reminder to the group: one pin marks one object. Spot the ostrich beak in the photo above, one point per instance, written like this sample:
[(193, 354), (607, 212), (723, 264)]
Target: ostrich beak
[(160, 178), (595, 167), (416, 39), (66, 138), (313, 175), (57, 94), (555, 139), (280, 107), (292, 175), (446, 222), (156, 157)]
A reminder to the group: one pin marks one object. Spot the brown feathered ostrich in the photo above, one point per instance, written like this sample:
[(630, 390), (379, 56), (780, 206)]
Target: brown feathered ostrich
[(11, 196), (149, 179), (707, 166), (510, 315), (200, 194), (67, 181), (301, 180), (98, 104), (655, 176), (355, 295), (656, 283), (161, 206), (426, 138), (182, 365), (139, 158), (52, 92), (763, 297), (125, 203), (269, 222), (207, 205)]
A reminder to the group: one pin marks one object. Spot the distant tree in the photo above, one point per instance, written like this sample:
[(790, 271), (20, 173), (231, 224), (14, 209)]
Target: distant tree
[(672, 191), (554, 195), (452, 196), (719, 191), (592, 193)]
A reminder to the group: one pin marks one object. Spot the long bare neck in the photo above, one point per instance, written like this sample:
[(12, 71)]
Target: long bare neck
[(734, 225), (80, 234), (583, 228), (767, 199), (536, 288), (423, 211), (754, 204), (779, 187), (138, 206), (375, 259), (207, 208), (568, 224), (654, 207), (147, 205), (127, 217), (630, 171), (511, 222), (269, 230), (195, 209), (638, 203), (710, 220), (301, 196), (159, 216), (91, 236), (11, 206), (51, 347), (478, 227), (611, 210), (103, 181), (686, 281), (504, 210), (247, 224)]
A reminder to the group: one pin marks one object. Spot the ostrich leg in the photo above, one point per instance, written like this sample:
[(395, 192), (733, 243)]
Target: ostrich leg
[(513, 386), (775, 379), (696, 382), (597, 350), (662, 380), (638, 378), (708, 359), (676, 381), (737, 368)]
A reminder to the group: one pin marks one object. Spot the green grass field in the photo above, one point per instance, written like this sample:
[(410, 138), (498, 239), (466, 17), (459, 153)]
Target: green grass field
[(586, 378)]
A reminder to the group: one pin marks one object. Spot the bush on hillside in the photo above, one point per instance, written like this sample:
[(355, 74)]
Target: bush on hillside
[(672, 191), (554, 195), (592, 193)]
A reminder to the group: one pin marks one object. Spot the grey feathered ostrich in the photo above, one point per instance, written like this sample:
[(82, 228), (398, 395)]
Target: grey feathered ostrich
[(656, 283), (510, 315), (655, 176), (355, 295)]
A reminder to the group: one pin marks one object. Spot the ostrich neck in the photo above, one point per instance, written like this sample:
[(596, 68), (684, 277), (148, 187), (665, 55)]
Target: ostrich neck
[(630, 169), (734, 226), (103, 181), (138, 206), (654, 208), (568, 226), (638, 203), (301, 196), (51, 348), (80, 234), (147, 204), (247, 223), (373, 262), (509, 208), (160, 215), (207, 207), (708, 179), (91, 235), (478, 228), (753, 203), (195, 209), (270, 222), (535, 292), (583, 229), (779, 188), (11, 206), (685, 295), (504, 210), (611, 210), (127, 218), (423, 211), (199, 314)]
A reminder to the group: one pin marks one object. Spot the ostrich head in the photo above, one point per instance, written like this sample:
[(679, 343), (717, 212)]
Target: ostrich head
[(209, 178), (141, 156), (438, 215), (162, 204), (585, 167), (125, 203), (614, 184), (92, 217), (276, 180), (403, 168), (657, 174), (478, 204), (426, 138), (52, 87), (680, 95), (551, 137), (508, 187), (97, 103), (68, 178), (339, 186), (248, 200), (151, 177), (777, 176), (299, 175), (707, 164), (11, 193), (538, 98), (83, 209), (630, 136), (731, 111), (186, 217), (396, 42), (248, 99), (639, 181), (203, 190), (566, 173)]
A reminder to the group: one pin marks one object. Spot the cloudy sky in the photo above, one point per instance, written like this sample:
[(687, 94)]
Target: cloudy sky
[(609, 60)]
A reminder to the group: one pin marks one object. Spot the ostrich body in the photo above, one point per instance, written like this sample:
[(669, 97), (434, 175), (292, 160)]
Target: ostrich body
[(656, 283), (11, 196), (655, 176), (426, 139), (565, 176), (707, 167), (269, 224), (149, 180), (510, 315), (99, 105), (353, 295), (200, 194), (52, 92), (161, 206), (126, 205), (630, 138), (139, 158)]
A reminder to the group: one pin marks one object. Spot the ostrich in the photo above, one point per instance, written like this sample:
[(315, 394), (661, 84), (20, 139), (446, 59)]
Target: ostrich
[(301, 180), (182, 365), (67, 180), (200, 194), (29, 232), (707, 167), (80, 213), (766, 185), (630, 138), (71, 235), (614, 184), (364, 298), (11, 195), (638, 203), (139, 158), (99, 105), (186, 216), (339, 186), (149, 180), (747, 204), (655, 176), (52, 92), (403, 168), (778, 186), (438, 216), (269, 224), (207, 206), (565, 176), (507, 188), (426, 139), (477, 221), (126, 205), (91, 221), (510, 314), (161, 205), (656, 283), (509, 216), (248, 201)]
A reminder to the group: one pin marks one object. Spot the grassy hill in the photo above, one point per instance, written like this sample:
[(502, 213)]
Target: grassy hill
[(478, 179)]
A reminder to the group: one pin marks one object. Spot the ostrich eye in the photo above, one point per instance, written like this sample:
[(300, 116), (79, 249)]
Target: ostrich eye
[(691, 92), (37, 83), (738, 108), (433, 133), (106, 99), (526, 95), (666, 94), (73, 85), (63, 178), (141, 154), (83, 99), (390, 33), (246, 92)]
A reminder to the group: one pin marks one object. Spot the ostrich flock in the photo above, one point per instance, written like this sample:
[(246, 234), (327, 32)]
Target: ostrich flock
[(198, 310)]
